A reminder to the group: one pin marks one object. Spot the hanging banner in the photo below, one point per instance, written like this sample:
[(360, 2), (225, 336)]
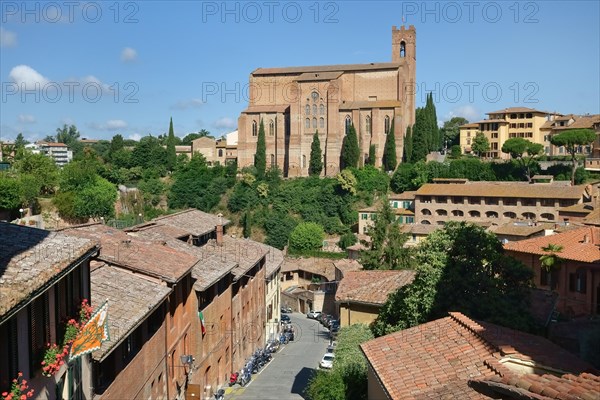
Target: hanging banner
[(93, 333)]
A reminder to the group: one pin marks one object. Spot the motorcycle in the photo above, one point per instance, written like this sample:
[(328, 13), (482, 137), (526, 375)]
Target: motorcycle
[(233, 379), (220, 395)]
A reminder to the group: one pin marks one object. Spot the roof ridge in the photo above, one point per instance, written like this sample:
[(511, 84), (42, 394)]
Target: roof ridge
[(475, 329)]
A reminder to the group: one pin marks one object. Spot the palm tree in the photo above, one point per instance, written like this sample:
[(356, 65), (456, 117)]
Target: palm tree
[(551, 261)]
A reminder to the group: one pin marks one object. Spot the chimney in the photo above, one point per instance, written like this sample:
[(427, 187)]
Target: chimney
[(219, 229), (586, 238)]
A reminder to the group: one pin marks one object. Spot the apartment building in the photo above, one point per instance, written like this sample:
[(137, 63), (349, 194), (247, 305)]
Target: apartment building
[(496, 202), (508, 123), (217, 151), (45, 276), (58, 151), (402, 205)]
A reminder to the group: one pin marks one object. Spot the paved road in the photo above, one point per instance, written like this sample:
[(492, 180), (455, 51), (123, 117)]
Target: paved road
[(287, 375)]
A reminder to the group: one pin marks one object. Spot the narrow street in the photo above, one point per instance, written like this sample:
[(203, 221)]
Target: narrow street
[(288, 373)]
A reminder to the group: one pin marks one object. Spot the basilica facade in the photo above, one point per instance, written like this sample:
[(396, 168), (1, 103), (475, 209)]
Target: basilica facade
[(295, 102)]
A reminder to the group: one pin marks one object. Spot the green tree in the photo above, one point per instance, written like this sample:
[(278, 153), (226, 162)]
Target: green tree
[(455, 151), (95, 200), (116, 144), (40, 166), (372, 155), (316, 162), (460, 268), (346, 240), (326, 385), (408, 145), (572, 140), (171, 154), (481, 144), (389, 152), (20, 142), (350, 150), (518, 148), (187, 139), (307, 236), (260, 159), (67, 135), (432, 130), (347, 181), (10, 192), (450, 132), (247, 225), (420, 147), (278, 227), (551, 261), (149, 153), (30, 189)]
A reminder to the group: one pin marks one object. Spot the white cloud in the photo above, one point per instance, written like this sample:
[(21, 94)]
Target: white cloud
[(7, 38), (187, 104), (27, 78), (128, 54), (225, 123), (468, 112), (110, 125), (26, 119), (135, 136)]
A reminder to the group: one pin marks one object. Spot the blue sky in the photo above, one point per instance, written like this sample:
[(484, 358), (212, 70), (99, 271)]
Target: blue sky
[(126, 67)]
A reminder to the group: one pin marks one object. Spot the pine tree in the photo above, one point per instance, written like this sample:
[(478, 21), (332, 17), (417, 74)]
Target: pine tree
[(247, 225), (260, 159), (420, 149), (389, 152), (171, 154), (316, 163), (372, 155), (408, 145), (350, 151)]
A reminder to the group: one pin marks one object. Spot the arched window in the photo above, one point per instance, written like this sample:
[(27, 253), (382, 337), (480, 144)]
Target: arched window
[(314, 108), (272, 160), (458, 213), (547, 216), (271, 128), (321, 122), (348, 123), (402, 49), (220, 152), (386, 124), (425, 222), (528, 215), (254, 128), (314, 123), (322, 109), (307, 123), (441, 213), (425, 211), (491, 214), (474, 214), (510, 214), (307, 110), (303, 161), (314, 96), (368, 124)]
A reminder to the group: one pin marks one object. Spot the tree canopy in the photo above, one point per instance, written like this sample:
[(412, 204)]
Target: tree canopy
[(450, 131), (524, 151), (350, 151), (390, 160), (571, 140), (260, 159), (481, 144), (315, 165), (307, 236), (171, 153)]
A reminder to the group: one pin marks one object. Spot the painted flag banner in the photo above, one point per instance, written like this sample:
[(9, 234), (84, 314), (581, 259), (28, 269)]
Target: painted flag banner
[(202, 322), (93, 333)]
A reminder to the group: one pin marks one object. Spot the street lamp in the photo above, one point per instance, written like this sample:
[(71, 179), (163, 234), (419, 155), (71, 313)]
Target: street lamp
[(21, 211)]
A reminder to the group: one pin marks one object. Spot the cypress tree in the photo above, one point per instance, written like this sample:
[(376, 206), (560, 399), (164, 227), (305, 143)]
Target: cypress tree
[(315, 165), (420, 149), (350, 151), (408, 145), (389, 152), (247, 225), (171, 154), (260, 158), (372, 155)]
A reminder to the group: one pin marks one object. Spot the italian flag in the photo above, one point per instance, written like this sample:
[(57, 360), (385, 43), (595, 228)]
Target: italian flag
[(202, 322)]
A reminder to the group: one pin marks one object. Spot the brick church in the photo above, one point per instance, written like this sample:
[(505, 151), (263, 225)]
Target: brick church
[(294, 102)]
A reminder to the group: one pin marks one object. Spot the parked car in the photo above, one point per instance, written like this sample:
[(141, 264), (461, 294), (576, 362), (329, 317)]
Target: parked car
[(327, 361), (332, 322), (313, 314), (286, 310), (325, 318), (285, 318), (330, 349)]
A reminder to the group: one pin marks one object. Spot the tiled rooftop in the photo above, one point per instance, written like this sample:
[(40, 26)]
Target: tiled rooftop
[(581, 244), (346, 265), (195, 222), (30, 258), (504, 189), (438, 359), (512, 229), (136, 253), (372, 287), (518, 110), (318, 266), (131, 299), (325, 68), (408, 195)]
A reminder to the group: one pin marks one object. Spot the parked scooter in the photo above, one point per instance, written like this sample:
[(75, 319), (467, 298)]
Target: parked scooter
[(233, 379), (220, 395)]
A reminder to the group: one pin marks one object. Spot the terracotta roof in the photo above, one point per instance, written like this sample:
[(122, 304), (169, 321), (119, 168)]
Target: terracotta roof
[(154, 231), (573, 242), (593, 218), (326, 68), (581, 122), (318, 266), (136, 253), (512, 229), (31, 258), (467, 126), (196, 222), (372, 287), (274, 108), (346, 265), (408, 195), (183, 149), (439, 358), (520, 110), (419, 229), (319, 76), (504, 189), (356, 105), (483, 121), (52, 144), (531, 386), (582, 208), (131, 299)]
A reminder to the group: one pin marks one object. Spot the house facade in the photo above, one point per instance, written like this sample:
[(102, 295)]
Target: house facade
[(402, 205), (45, 277), (294, 103)]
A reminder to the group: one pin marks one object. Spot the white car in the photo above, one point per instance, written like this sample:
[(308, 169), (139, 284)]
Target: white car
[(313, 314), (327, 361)]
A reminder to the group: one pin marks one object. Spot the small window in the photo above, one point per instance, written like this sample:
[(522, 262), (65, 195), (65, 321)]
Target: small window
[(386, 124), (271, 128), (322, 123), (314, 109), (322, 109), (474, 214), (441, 213), (254, 128), (220, 152), (491, 214), (303, 161), (402, 49), (368, 124), (510, 215), (364, 216), (348, 123), (307, 110), (272, 160), (458, 213), (425, 211), (307, 123), (577, 281), (314, 96), (314, 123)]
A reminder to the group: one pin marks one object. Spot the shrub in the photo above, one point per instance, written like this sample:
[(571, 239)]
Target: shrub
[(307, 236)]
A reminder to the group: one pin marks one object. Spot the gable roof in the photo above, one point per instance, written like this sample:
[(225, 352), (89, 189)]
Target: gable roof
[(195, 222), (371, 287), (439, 358), (521, 110), (30, 258), (136, 253), (581, 244), (318, 266), (325, 68), (504, 189)]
